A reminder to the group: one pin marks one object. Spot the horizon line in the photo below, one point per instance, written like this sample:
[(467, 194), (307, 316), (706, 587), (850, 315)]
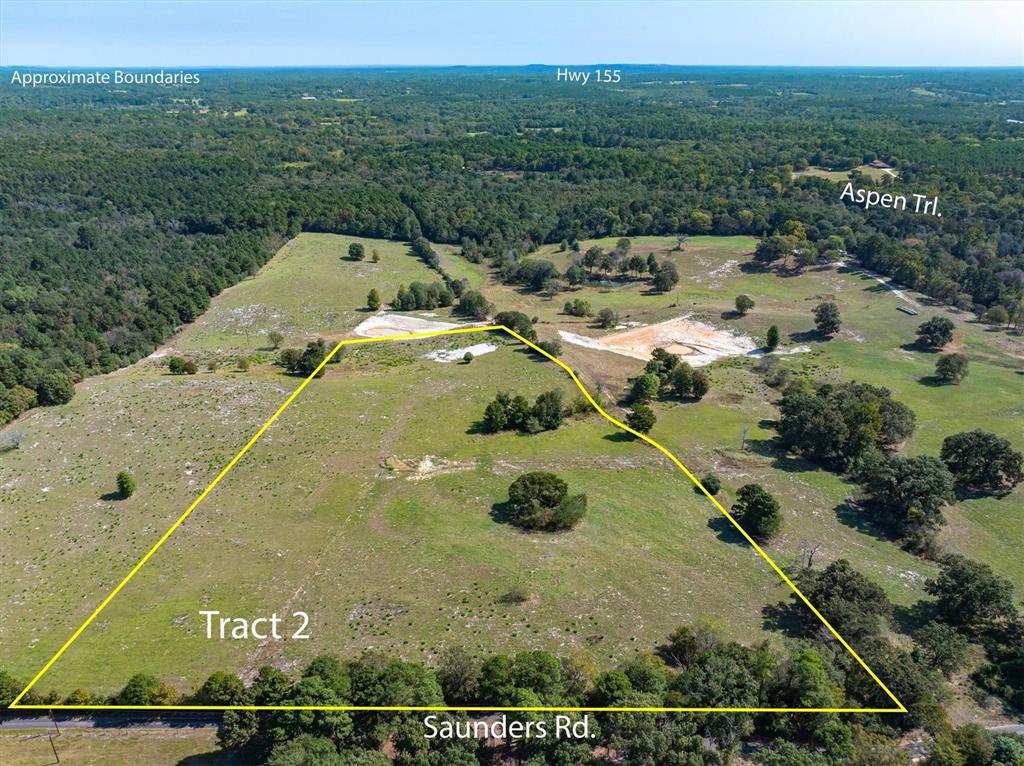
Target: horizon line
[(272, 67)]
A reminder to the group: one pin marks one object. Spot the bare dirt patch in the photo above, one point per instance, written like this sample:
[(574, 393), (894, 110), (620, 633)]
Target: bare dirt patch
[(385, 323), (698, 343)]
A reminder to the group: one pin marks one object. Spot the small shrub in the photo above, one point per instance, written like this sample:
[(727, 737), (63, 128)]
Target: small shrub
[(178, 365), (711, 483), (125, 484), (607, 318)]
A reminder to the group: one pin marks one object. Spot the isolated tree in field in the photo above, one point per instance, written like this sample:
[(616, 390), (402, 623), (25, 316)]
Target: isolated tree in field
[(700, 383), (290, 358), (743, 304), (758, 511), (711, 483), (652, 264), (316, 352), (981, 460), (518, 322), (373, 301), (548, 410), (376, 256), (680, 241), (125, 484), (551, 347), (468, 357), (666, 277), (772, 338), (578, 307), (826, 318), (473, 304), (935, 333), (641, 418), (854, 605), (623, 245), (645, 387), (969, 595), (178, 365), (607, 318), (356, 251), (541, 500), (951, 368), (275, 338)]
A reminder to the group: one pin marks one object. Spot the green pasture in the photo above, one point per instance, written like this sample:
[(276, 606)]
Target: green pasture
[(371, 503)]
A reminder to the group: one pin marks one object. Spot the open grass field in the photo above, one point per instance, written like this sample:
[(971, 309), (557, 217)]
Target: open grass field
[(371, 504), (309, 288), (104, 747), (842, 176)]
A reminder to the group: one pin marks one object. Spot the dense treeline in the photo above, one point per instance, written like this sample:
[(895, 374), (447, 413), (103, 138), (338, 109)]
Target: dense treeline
[(121, 214)]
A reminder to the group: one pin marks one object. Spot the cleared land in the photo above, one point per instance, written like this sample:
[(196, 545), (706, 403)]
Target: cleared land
[(841, 176), (370, 505)]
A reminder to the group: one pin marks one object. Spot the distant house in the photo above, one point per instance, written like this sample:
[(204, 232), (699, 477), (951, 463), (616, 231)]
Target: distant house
[(879, 164)]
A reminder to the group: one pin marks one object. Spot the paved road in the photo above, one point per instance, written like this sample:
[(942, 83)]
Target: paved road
[(107, 721)]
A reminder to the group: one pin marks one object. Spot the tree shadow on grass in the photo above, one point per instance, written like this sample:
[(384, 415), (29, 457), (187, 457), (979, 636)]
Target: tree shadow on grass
[(932, 381), (781, 458), (809, 336), (910, 619), (854, 516), (502, 513), (111, 496), (476, 428), (534, 356), (726, 532), (754, 267), (619, 437), (206, 759), (917, 347), (786, 617)]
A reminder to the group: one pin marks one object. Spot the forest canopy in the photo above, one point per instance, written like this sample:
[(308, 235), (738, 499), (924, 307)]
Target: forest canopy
[(122, 213)]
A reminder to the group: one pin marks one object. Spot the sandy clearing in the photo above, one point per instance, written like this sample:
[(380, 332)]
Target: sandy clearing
[(386, 323), (697, 342), (456, 354)]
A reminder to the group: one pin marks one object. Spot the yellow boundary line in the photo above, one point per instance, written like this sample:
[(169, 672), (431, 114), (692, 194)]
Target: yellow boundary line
[(899, 708)]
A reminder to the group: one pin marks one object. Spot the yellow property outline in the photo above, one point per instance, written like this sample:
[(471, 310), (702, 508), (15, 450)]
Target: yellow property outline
[(899, 708)]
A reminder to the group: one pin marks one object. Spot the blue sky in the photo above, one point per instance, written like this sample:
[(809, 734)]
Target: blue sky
[(251, 33)]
